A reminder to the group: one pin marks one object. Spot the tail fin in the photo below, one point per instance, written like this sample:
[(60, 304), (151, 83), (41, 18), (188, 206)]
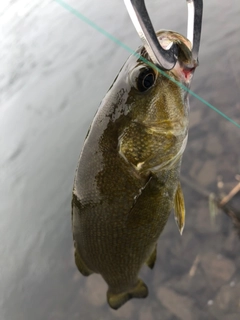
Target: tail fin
[(115, 301)]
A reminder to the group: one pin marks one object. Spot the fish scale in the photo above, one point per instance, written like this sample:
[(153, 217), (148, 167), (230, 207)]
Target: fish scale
[(127, 180)]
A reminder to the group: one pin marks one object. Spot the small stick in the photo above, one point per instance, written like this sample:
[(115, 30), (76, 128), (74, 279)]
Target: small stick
[(229, 196), (193, 269)]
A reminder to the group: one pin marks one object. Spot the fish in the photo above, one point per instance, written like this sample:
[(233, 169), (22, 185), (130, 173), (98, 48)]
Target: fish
[(127, 180)]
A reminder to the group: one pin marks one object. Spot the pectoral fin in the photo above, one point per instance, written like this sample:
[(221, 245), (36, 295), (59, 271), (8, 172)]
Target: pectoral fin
[(179, 209)]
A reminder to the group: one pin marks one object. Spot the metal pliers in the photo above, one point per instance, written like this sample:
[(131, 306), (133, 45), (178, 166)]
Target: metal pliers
[(165, 59)]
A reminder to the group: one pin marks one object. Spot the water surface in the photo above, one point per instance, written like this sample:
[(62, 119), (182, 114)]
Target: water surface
[(54, 72)]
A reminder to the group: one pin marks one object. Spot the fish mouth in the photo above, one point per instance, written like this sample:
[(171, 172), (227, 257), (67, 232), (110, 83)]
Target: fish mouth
[(184, 72), (187, 72), (185, 68), (186, 64)]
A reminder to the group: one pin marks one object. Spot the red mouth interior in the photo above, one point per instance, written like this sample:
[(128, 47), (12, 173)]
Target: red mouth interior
[(188, 72)]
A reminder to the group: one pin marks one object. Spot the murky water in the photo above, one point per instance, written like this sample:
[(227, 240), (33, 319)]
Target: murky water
[(54, 71)]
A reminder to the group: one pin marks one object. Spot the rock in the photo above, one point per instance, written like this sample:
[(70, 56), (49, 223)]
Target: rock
[(230, 243), (208, 173), (192, 283), (146, 314), (223, 298), (195, 168), (213, 145), (95, 291), (195, 117), (180, 306), (194, 148), (228, 298), (125, 312), (204, 224), (217, 269), (232, 316), (76, 276), (226, 304)]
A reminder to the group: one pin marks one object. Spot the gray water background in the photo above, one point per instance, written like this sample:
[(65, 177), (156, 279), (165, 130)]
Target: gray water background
[(54, 71)]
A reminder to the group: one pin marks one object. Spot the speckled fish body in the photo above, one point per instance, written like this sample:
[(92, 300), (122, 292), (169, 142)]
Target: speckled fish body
[(127, 180)]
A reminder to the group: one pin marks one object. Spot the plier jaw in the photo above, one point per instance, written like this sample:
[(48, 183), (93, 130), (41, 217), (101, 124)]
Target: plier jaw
[(165, 59), (194, 28)]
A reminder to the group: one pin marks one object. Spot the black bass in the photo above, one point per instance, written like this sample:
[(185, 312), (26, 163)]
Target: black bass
[(127, 180)]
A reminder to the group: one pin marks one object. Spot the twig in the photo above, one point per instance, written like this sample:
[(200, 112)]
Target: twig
[(193, 269), (229, 196)]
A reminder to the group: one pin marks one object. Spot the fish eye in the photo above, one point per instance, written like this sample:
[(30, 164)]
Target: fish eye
[(142, 78)]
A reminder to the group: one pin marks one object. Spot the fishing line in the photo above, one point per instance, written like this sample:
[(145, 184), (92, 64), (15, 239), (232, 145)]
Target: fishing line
[(124, 46)]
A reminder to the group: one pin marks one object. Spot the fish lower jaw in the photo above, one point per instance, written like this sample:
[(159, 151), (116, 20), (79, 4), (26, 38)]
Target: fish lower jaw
[(184, 72), (188, 73)]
